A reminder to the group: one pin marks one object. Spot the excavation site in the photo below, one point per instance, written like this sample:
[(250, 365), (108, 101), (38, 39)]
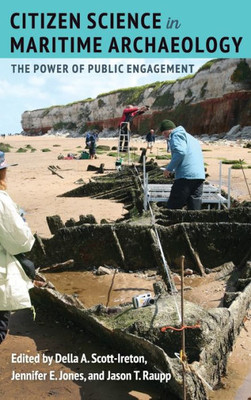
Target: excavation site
[(170, 286)]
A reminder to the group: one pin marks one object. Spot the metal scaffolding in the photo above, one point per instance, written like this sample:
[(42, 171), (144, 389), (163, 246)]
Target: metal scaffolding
[(211, 193)]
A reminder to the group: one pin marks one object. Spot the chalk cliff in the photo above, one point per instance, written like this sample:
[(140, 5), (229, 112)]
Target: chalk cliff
[(213, 100)]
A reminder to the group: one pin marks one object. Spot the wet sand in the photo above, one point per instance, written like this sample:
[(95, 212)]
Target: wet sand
[(51, 336), (110, 290)]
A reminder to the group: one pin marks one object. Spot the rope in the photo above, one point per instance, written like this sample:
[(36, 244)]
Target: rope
[(188, 368), (165, 328)]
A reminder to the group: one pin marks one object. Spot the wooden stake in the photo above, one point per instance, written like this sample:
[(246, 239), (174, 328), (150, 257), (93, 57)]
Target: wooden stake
[(64, 265), (183, 345)]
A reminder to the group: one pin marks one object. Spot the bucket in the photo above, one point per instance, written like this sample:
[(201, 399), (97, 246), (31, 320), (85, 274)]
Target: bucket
[(84, 156)]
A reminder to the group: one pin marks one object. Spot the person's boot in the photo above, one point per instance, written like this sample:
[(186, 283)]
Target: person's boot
[(4, 323)]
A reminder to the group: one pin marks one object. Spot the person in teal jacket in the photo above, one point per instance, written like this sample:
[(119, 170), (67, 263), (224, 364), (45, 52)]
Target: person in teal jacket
[(188, 166)]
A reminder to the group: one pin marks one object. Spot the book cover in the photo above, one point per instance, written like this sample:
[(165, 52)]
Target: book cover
[(102, 329)]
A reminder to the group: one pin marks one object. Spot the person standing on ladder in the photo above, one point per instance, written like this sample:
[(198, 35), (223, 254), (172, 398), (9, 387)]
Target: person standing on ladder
[(187, 164), (129, 113)]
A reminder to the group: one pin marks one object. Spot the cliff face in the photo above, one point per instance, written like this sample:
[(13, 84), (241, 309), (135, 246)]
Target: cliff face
[(212, 101)]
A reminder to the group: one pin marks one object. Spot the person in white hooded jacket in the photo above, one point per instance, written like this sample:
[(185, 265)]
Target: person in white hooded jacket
[(15, 238)]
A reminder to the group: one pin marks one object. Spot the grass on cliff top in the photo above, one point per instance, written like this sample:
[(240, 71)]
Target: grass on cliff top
[(156, 85), (134, 88), (134, 92), (47, 109), (183, 78), (208, 64)]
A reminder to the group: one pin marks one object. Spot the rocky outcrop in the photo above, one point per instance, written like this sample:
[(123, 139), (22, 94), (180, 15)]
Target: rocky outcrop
[(216, 98)]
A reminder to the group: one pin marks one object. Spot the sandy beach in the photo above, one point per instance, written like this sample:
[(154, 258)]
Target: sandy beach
[(32, 185), (34, 188)]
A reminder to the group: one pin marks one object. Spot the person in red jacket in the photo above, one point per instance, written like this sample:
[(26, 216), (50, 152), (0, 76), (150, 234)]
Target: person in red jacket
[(129, 113)]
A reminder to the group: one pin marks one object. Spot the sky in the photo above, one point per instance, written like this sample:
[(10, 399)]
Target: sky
[(24, 84)]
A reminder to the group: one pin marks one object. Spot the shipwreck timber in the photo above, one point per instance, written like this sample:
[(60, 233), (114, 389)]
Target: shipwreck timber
[(209, 240)]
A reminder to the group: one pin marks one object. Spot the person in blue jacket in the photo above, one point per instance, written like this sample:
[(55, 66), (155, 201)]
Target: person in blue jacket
[(150, 138), (187, 164)]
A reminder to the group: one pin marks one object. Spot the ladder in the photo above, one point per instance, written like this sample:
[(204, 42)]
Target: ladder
[(124, 139)]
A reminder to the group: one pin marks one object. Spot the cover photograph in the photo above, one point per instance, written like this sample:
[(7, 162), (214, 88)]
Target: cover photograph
[(125, 200)]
